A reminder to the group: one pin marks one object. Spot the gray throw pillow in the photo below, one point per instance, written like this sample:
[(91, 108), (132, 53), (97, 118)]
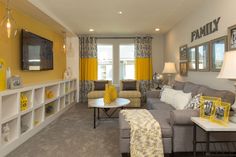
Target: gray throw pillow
[(129, 85), (100, 85)]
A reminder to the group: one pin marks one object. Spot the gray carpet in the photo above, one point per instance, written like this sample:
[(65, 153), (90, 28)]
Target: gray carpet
[(72, 135)]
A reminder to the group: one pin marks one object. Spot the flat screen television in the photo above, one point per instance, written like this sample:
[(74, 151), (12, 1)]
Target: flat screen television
[(37, 52)]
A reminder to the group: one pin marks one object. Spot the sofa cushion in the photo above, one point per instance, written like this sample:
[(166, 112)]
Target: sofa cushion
[(100, 85), (190, 87), (226, 96), (178, 85), (157, 104), (129, 94), (163, 117), (95, 94), (129, 85)]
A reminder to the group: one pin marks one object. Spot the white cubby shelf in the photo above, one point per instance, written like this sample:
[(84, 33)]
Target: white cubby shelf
[(41, 110)]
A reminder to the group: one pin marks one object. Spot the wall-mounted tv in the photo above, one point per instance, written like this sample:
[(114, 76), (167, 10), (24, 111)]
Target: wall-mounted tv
[(37, 52)]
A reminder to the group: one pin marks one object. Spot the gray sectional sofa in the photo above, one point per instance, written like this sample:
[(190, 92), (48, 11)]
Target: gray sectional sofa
[(177, 128)]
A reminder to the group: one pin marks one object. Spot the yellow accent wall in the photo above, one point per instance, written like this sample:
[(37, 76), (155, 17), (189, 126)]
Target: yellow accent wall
[(10, 49)]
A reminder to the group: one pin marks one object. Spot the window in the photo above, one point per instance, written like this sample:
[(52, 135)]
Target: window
[(127, 68), (104, 53)]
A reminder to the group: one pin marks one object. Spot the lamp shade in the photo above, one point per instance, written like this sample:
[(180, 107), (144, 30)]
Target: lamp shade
[(169, 68), (228, 70)]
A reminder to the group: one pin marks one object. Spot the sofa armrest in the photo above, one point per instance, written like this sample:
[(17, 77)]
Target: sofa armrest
[(153, 94), (183, 117)]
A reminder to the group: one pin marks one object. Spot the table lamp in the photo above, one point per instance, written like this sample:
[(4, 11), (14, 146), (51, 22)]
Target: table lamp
[(169, 69), (228, 71)]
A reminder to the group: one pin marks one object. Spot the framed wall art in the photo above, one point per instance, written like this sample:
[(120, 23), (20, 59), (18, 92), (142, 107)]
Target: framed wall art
[(232, 37), (183, 68), (203, 63), (183, 50), (218, 48), (192, 65)]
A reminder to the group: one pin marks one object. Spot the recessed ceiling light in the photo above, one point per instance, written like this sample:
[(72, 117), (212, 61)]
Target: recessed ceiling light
[(91, 30), (120, 12), (157, 29)]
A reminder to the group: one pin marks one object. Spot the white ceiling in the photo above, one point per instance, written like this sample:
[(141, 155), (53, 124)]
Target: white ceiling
[(139, 16)]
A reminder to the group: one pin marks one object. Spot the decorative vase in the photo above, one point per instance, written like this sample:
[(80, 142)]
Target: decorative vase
[(107, 98)]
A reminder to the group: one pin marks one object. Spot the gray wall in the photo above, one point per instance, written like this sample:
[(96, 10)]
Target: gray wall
[(181, 34)]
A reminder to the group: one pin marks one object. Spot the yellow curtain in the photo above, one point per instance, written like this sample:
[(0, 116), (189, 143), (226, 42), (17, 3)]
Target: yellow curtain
[(88, 69), (143, 68)]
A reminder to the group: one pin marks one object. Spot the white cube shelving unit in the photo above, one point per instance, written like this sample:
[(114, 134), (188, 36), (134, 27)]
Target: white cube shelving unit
[(41, 111)]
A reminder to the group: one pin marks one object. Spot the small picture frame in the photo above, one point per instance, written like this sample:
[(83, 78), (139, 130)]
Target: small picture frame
[(221, 113), (183, 50), (183, 68), (207, 105), (232, 38)]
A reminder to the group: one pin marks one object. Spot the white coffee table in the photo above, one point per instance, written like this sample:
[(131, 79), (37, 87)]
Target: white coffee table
[(209, 127), (97, 104)]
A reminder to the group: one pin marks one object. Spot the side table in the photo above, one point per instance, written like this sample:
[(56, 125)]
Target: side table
[(209, 127)]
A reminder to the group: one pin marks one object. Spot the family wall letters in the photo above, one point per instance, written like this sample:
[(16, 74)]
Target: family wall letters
[(205, 30)]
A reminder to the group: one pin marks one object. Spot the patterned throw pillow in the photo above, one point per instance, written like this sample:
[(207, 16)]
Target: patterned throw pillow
[(194, 102)]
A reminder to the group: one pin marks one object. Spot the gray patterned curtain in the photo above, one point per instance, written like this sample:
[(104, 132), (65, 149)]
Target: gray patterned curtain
[(88, 65), (143, 65)]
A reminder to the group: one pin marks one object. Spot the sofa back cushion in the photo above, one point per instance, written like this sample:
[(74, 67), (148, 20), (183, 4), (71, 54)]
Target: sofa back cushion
[(226, 96), (178, 85), (100, 85), (190, 87)]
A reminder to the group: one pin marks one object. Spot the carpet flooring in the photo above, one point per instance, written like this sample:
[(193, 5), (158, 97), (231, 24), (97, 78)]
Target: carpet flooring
[(72, 135)]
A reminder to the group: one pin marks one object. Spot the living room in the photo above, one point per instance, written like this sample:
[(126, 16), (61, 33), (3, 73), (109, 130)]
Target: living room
[(117, 78)]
